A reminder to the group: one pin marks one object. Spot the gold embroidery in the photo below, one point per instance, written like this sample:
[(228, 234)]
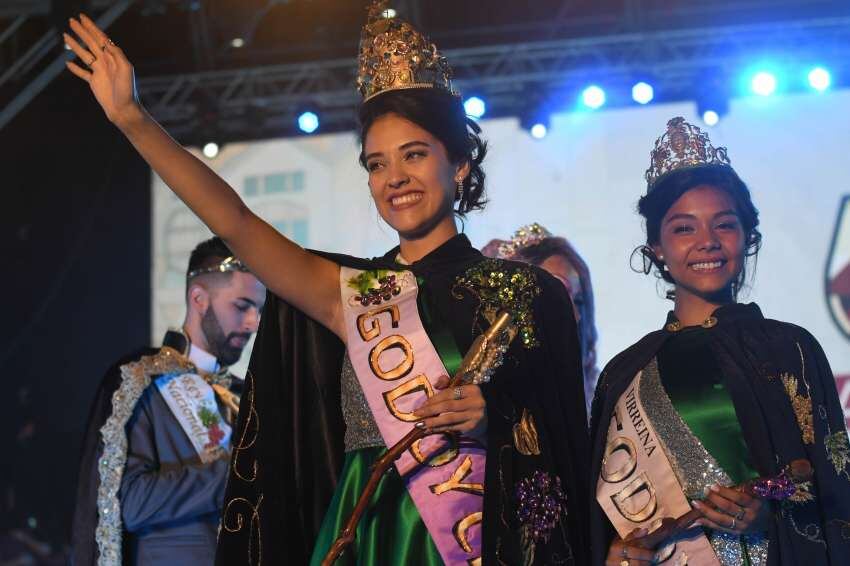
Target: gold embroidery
[(462, 527), (802, 493), (525, 435), (418, 384), (838, 451), (374, 329), (499, 285), (455, 482), (254, 525), (802, 405), (403, 367), (252, 421)]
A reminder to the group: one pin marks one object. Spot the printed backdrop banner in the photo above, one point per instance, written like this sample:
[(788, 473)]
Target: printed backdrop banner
[(582, 181)]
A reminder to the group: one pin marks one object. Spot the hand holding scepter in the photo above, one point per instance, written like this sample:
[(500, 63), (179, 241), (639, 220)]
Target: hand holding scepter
[(472, 361), (776, 488)]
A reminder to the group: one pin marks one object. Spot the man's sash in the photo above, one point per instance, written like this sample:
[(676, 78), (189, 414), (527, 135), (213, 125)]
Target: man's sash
[(637, 485), (192, 401), (396, 365)]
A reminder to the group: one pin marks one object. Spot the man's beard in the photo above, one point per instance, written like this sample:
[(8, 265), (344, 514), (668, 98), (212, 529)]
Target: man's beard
[(218, 343)]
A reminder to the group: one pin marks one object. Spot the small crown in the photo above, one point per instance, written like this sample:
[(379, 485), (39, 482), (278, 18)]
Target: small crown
[(227, 264), (394, 55), (525, 236), (682, 146)]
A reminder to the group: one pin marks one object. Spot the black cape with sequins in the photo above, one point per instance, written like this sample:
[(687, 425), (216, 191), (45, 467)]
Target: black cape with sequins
[(288, 449), (754, 353)]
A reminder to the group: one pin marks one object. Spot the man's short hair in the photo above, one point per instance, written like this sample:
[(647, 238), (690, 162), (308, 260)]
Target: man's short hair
[(208, 253), (213, 261)]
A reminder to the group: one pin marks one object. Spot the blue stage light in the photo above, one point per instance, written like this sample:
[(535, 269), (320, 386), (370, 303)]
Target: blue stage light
[(593, 97), (475, 107), (643, 93), (763, 83), (819, 79), (710, 118), (538, 131), (308, 122)]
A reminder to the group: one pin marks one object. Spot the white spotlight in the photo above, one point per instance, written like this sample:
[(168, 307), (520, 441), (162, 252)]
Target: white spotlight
[(710, 117), (819, 79), (210, 150), (643, 93), (237, 42), (538, 131), (593, 97), (763, 83)]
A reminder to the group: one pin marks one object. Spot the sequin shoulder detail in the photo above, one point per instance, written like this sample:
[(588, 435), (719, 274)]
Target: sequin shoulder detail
[(498, 284), (361, 430)]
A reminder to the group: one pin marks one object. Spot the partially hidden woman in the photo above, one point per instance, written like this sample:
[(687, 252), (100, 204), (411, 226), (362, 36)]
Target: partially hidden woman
[(536, 245), (703, 412), (349, 349)]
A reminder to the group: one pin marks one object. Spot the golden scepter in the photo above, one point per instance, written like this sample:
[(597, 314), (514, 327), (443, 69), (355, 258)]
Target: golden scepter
[(475, 360)]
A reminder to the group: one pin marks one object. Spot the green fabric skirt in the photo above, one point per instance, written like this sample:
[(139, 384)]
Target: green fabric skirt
[(390, 531)]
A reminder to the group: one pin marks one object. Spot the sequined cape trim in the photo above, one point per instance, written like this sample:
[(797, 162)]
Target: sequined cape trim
[(500, 285), (135, 378), (695, 467)]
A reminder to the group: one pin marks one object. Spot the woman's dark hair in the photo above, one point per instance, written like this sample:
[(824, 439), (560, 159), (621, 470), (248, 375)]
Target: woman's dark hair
[(655, 204), (443, 116)]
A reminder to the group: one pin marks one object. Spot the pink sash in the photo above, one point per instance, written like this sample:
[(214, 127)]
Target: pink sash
[(637, 486), (396, 365)]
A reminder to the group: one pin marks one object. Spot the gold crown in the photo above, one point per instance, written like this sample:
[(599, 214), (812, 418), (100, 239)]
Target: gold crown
[(682, 146), (525, 236), (394, 55)]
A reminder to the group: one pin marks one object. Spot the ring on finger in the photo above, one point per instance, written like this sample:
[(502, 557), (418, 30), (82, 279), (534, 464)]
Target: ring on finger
[(457, 394), (90, 63), (741, 514), (734, 522)]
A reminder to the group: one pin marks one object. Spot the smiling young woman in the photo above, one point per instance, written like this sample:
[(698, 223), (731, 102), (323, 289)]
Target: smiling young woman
[(350, 351), (702, 413)]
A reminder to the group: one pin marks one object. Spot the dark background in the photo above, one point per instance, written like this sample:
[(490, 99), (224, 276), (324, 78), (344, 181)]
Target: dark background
[(76, 257)]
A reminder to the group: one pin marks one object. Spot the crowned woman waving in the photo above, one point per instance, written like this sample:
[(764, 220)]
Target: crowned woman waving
[(718, 439), (352, 353)]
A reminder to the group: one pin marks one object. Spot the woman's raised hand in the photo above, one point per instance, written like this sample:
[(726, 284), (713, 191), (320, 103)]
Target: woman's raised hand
[(109, 73)]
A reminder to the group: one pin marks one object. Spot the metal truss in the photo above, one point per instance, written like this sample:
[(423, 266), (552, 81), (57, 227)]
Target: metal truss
[(264, 101), (40, 50)]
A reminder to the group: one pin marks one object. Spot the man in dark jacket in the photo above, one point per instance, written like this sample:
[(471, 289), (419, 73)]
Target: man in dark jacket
[(157, 447)]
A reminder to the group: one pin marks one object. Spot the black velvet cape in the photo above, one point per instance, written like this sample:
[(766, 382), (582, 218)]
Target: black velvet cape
[(288, 449), (754, 353)]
